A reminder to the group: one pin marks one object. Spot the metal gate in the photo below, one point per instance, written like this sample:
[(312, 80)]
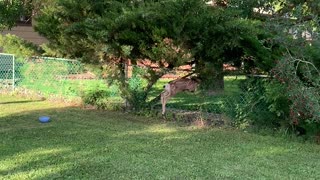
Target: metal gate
[(7, 71)]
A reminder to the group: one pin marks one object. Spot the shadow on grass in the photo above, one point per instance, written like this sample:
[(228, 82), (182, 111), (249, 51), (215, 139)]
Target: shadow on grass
[(197, 102), (19, 102)]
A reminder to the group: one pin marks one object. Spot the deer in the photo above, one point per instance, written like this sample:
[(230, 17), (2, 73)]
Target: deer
[(176, 86)]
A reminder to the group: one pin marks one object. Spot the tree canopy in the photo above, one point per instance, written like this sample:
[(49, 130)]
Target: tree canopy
[(171, 33), (156, 30)]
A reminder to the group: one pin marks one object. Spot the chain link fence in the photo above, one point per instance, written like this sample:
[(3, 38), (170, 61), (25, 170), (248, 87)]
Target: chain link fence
[(47, 76), (7, 71), (51, 75)]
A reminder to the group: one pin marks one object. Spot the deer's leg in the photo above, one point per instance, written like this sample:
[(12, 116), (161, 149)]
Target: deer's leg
[(163, 103), (164, 97)]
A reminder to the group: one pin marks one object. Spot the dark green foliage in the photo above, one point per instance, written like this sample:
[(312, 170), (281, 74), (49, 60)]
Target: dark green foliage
[(95, 96), (101, 99), (301, 77), (262, 103), (10, 12), (136, 95), (289, 98), (92, 97)]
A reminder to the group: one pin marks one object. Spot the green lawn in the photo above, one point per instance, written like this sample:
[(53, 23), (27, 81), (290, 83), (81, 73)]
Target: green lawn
[(91, 144)]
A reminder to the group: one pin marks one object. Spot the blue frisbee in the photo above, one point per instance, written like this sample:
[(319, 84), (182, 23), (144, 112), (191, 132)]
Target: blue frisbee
[(44, 119)]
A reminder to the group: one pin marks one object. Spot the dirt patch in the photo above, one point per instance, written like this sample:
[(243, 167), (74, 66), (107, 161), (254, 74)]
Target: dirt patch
[(197, 118)]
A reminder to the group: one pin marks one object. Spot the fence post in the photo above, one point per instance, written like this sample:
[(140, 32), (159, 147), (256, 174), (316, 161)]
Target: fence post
[(13, 72)]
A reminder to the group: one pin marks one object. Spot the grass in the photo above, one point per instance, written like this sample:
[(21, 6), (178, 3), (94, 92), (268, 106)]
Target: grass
[(90, 144)]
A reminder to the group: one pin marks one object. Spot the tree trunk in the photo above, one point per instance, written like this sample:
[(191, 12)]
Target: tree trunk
[(211, 75)]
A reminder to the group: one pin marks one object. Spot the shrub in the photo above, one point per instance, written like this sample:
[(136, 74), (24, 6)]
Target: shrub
[(137, 94), (261, 102), (21, 48), (289, 98), (102, 98), (94, 97), (301, 79)]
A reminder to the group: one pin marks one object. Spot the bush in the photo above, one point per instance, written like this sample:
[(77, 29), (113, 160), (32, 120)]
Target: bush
[(94, 97), (289, 98), (134, 89), (301, 79), (261, 103), (101, 100), (21, 48)]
